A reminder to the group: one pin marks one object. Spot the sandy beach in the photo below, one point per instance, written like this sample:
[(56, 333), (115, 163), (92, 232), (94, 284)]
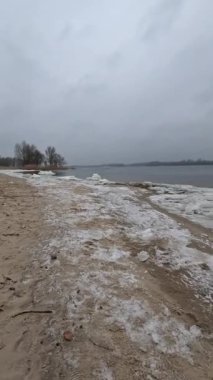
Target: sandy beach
[(126, 271), (20, 232)]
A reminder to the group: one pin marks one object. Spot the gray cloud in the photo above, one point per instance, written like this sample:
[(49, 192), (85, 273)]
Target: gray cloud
[(161, 18), (105, 81)]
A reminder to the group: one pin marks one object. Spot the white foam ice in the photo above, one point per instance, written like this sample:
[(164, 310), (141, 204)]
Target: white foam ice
[(46, 172), (151, 331), (171, 336), (27, 174), (97, 178), (194, 203), (68, 178), (13, 173)]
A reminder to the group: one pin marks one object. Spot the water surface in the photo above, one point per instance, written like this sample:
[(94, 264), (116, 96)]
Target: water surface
[(187, 175)]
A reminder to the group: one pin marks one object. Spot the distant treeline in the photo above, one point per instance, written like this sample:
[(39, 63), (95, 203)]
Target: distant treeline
[(28, 155), (155, 163), (174, 163), (7, 161)]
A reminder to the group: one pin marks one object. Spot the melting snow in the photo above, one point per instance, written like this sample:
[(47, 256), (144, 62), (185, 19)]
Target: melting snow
[(112, 254), (192, 202), (145, 328)]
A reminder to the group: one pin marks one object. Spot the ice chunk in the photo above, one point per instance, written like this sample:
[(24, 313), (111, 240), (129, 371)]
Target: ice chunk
[(46, 172), (143, 256), (95, 177)]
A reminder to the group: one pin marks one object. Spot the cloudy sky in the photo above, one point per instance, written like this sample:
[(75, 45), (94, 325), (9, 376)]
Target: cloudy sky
[(108, 80)]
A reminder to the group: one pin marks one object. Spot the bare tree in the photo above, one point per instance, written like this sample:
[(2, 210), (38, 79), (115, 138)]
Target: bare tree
[(53, 158), (26, 154), (38, 157), (50, 153)]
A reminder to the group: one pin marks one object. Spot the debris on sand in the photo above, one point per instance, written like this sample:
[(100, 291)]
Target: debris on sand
[(68, 336), (53, 256), (143, 256)]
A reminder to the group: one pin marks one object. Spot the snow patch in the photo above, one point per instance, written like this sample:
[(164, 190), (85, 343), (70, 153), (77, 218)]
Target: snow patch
[(112, 254), (106, 372), (171, 336), (146, 328)]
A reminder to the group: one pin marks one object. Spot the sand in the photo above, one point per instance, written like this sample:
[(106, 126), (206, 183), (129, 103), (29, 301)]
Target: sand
[(20, 232), (72, 256)]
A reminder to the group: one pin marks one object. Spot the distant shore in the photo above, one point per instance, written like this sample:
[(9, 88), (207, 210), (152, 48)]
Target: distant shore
[(152, 163), (117, 165)]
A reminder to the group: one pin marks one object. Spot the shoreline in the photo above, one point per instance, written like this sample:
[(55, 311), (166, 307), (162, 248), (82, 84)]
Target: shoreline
[(123, 268), (136, 175)]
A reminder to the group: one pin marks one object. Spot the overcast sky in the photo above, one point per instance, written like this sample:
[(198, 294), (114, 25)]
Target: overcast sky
[(108, 80)]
